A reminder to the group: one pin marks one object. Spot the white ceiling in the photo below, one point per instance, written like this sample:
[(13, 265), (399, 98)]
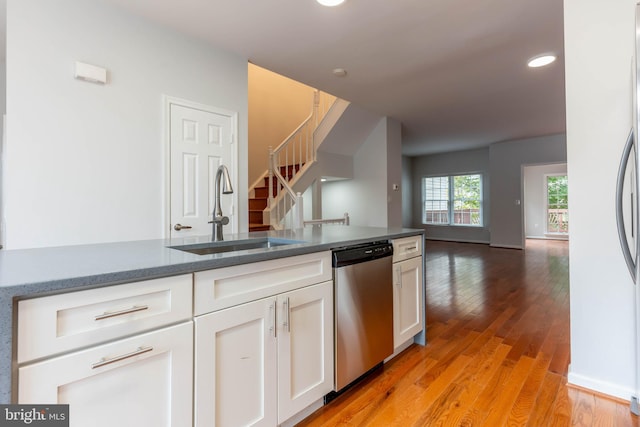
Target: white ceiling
[(452, 71)]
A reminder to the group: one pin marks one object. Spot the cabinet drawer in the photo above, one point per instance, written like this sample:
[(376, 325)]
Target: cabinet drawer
[(226, 287), (64, 322), (407, 247), (144, 380)]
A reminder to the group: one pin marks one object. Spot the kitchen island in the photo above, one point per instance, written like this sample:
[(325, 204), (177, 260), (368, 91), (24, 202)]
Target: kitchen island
[(32, 273)]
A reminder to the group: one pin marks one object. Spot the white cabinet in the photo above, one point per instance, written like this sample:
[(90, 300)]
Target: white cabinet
[(118, 355), (141, 381), (407, 300), (261, 362), (64, 322), (305, 348), (408, 303), (235, 358)]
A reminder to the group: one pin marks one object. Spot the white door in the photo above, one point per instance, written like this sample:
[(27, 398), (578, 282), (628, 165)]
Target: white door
[(305, 348), (142, 381), (407, 300), (235, 366), (201, 139)]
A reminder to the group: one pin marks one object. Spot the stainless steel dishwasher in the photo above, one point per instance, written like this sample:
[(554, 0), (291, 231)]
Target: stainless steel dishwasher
[(363, 309)]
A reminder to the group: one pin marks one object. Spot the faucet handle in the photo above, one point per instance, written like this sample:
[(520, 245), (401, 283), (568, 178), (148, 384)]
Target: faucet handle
[(224, 220)]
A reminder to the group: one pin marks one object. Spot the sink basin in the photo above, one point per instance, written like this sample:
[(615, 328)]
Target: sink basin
[(234, 245)]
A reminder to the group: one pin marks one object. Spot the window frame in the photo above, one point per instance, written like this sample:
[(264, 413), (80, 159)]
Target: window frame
[(451, 201)]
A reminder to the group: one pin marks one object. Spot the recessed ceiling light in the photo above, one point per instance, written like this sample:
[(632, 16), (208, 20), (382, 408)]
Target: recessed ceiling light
[(330, 3), (339, 72), (541, 60)]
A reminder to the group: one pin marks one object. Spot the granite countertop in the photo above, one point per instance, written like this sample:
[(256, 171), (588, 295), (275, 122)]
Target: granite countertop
[(34, 272)]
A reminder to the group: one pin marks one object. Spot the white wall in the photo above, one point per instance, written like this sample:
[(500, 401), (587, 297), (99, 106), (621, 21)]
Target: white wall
[(394, 173), (3, 110), (407, 192), (598, 91), (535, 195), (367, 197), (85, 162)]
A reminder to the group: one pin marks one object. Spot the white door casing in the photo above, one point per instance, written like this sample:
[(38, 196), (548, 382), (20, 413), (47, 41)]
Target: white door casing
[(200, 138)]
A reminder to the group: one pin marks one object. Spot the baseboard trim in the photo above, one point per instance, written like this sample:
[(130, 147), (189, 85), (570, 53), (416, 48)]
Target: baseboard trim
[(607, 389), (442, 239), (498, 245), (547, 238)]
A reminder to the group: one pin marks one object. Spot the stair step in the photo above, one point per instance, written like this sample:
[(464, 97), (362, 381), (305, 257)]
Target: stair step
[(258, 203), (259, 227), (255, 216), (261, 192)]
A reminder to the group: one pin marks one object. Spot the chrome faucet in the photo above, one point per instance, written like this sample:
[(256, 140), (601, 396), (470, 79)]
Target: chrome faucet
[(218, 219)]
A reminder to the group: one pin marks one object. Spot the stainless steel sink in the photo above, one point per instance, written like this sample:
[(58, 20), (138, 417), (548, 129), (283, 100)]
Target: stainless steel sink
[(234, 245)]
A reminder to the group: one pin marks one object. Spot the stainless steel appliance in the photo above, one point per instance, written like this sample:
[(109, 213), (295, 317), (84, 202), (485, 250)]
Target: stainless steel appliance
[(627, 208), (363, 309)]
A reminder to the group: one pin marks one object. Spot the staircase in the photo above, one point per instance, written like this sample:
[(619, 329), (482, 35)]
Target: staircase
[(260, 200), (294, 157)]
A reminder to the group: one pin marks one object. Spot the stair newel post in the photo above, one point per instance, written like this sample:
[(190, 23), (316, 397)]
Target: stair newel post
[(298, 212)]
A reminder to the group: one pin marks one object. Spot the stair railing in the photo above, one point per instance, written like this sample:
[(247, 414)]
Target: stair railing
[(344, 220), (292, 157)]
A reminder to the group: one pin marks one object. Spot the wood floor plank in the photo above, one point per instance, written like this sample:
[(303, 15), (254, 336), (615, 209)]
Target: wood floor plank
[(543, 407), (497, 350), (470, 387), (501, 406), (524, 403)]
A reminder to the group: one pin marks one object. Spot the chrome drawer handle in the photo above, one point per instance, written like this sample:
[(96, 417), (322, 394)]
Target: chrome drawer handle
[(287, 313), (410, 249), (108, 314), (103, 361)]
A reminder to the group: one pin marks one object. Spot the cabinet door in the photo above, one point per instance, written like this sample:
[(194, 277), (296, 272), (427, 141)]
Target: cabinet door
[(235, 366), (407, 300), (145, 380), (305, 347)]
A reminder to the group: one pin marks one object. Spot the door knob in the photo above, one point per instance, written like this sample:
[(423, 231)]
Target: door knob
[(179, 227)]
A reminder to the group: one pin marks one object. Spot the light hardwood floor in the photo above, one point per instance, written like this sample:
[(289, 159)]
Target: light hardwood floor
[(497, 352)]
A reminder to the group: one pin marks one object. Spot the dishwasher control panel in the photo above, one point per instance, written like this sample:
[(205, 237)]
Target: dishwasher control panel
[(361, 253)]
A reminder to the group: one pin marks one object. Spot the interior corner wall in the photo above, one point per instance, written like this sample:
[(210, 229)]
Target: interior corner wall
[(364, 197), (85, 163), (407, 191), (277, 106), (452, 163), (506, 191), (534, 197), (599, 99), (394, 173)]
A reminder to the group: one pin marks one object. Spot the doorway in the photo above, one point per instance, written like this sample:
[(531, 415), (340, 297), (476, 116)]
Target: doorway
[(200, 138), (546, 213)]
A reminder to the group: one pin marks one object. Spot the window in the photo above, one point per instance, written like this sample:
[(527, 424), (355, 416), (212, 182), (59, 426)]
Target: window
[(557, 210), (453, 200)]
